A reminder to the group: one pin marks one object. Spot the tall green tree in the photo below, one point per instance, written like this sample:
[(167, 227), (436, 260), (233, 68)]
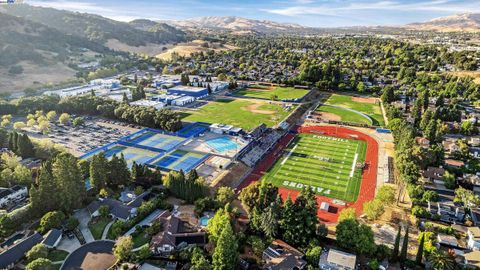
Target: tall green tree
[(98, 171), (220, 220), (225, 253), (69, 181), (440, 260)]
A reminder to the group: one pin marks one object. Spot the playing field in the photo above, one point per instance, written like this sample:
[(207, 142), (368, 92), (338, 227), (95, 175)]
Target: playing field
[(246, 114), (179, 160), (367, 106), (272, 92), (327, 164)]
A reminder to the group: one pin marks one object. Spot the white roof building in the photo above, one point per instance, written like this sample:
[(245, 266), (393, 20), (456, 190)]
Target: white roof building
[(148, 103)]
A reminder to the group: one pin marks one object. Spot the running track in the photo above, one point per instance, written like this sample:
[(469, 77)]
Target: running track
[(369, 178)]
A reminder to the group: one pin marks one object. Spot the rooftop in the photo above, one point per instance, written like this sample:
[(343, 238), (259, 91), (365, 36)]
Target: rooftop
[(341, 258), (187, 88)]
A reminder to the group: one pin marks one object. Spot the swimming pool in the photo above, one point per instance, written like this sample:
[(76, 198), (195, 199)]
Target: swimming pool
[(204, 221), (222, 144)]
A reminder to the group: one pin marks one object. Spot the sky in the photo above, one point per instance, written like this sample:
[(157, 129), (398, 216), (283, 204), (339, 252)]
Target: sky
[(315, 13)]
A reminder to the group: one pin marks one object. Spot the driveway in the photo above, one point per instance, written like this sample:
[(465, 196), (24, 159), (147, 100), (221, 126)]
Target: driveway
[(69, 244), (83, 217)]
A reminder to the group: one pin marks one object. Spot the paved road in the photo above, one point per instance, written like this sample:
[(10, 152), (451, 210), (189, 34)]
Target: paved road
[(84, 217)]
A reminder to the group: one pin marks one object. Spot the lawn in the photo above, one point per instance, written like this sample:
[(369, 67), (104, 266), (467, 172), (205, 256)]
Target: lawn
[(327, 164), (97, 225), (344, 115), (245, 114), (371, 109), (280, 93), (140, 238), (56, 255)]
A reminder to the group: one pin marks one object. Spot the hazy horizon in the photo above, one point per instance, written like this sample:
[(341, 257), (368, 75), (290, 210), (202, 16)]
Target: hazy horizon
[(314, 13)]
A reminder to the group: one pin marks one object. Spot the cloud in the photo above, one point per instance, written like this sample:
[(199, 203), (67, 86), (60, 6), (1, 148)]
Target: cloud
[(71, 5), (335, 8)]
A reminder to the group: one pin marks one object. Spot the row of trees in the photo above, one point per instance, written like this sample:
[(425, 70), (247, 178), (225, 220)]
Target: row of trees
[(188, 187)]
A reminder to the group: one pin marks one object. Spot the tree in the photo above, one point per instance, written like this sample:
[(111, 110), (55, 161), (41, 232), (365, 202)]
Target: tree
[(98, 171), (69, 182), (41, 197), (419, 257), (313, 255), (347, 233), (52, 220), (225, 195), (51, 115), (104, 211), (396, 246), (467, 197), (403, 252), (78, 121), (270, 217), (64, 118), (249, 196), (386, 194), (40, 264), (225, 253), (373, 209), (72, 223), (198, 261), (6, 225), (440, 260), (25, 146), (215, 225), (123, 248), (37, 251), (347, 213), (19, 125)]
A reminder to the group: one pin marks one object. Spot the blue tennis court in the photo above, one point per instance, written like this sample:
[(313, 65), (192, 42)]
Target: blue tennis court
[(222, 144)]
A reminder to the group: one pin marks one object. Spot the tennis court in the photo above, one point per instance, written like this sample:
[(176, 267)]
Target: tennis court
[(222, 144), (179, 160), (154, 140)]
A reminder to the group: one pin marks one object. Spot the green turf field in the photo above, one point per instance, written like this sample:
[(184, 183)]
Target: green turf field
[(274, 92), (327, 164), (345, 101), (243, 113), (345, 116)]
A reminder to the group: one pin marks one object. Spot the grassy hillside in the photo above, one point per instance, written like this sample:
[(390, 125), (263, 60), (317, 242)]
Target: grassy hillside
[(94, 27)]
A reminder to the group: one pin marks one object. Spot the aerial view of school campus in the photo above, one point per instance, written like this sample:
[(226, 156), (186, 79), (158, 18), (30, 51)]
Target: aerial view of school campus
[(225, 135)]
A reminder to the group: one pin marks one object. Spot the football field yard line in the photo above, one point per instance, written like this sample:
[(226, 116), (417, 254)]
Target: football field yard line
[(289, 154)]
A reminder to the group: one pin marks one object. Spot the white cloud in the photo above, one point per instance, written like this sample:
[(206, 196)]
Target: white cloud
[(71, 5), (337, 8)]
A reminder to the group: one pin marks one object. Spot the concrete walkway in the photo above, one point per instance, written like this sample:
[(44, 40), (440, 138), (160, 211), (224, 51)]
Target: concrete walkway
[(107, 228), (84, 217)]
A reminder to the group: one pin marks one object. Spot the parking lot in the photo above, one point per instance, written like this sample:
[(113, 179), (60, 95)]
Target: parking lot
[(95, 133)]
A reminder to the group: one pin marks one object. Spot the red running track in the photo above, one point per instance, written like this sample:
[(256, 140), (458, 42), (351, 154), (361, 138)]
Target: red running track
[(369, 177)]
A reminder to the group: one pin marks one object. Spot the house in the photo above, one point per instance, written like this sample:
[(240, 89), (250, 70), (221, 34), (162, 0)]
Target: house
[(448, 241), (280, 255), (338, 260), (472, 259), (423, 142), (434, 174), (474, 151), (9, 257), (52, 238), (473, 238), (175, 235), (448, 212), (474, 141), (159, 265), (13, 194), (450, 145), (117, 209), (454, 163)]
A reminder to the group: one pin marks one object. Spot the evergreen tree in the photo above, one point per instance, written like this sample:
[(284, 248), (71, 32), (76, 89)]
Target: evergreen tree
[(209, 88), (225, 253), (41, 197), (125, 98), (270, 217), (419, 257), (118, 172), (69, 181), (288, 221), (24, 146), (98, 171), (12, 141), (396, 246), (306, 217), (403, 252)]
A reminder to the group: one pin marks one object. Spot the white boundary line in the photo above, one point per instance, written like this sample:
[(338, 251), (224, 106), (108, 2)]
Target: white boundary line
[(354, 162), (289, 154)]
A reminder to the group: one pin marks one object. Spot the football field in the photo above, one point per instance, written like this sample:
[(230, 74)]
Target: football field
[(331, 166)]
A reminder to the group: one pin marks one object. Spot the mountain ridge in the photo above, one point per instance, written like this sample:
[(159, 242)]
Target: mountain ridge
[(462, 22)]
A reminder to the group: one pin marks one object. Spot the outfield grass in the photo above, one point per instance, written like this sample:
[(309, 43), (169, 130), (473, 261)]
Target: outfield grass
[(323, 163), (344, 115), (281, 93), (371, 109), (237, 113)]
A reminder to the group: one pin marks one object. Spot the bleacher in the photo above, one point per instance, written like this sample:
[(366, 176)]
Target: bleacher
[(261, 146)]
